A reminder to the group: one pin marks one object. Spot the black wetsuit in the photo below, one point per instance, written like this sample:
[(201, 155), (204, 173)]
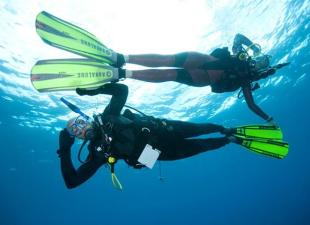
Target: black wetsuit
[(131, 132)]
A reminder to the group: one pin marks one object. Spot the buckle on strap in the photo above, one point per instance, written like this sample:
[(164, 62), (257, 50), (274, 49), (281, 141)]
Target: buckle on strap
[(146, 130)]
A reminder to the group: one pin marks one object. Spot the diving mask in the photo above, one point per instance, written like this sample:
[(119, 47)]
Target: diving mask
[(78, 127), (260, 63)]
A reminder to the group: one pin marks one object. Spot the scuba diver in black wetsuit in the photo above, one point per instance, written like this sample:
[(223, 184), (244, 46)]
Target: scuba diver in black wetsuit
[(114, 136), (221, 70)]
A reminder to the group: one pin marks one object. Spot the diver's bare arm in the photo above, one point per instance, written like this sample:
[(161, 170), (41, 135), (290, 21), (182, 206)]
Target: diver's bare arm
[(240, 40), (247, 93), (74, 178)]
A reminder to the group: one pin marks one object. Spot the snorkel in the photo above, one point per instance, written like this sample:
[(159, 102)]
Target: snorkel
[(89, 134), (74, 108)]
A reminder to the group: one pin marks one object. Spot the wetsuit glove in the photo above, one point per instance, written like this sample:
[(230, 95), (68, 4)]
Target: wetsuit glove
[(271, 121), (82, 91), (97, 91), (65, 142)]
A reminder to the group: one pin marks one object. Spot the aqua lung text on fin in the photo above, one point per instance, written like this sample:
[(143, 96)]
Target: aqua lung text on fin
[(97, 47), (95, 74)]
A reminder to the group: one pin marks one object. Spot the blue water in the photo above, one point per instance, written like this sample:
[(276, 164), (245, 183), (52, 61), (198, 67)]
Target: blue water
[(227, 186)]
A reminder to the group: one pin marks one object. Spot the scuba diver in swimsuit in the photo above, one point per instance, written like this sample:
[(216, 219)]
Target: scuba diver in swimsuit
[(220, 70)]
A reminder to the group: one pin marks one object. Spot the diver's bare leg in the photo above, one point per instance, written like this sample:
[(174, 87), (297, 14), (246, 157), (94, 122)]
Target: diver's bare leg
[(195, 77), (182, 60)]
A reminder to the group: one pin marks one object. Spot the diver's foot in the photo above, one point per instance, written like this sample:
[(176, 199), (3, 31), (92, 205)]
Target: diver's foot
[(120, 60), (233, 139), (227, 131)]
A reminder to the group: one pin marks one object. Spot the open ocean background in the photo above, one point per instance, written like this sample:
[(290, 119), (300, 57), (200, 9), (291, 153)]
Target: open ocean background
[(229, 186)]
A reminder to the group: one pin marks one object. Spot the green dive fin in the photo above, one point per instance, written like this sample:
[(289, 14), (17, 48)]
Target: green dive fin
[(258, 131), (61, 34), (69, 74), (273, 148)]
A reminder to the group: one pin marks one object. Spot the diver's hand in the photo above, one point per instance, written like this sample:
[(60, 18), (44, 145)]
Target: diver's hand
[(256, 49), (65, 142), (227, 131), (270, 121)]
